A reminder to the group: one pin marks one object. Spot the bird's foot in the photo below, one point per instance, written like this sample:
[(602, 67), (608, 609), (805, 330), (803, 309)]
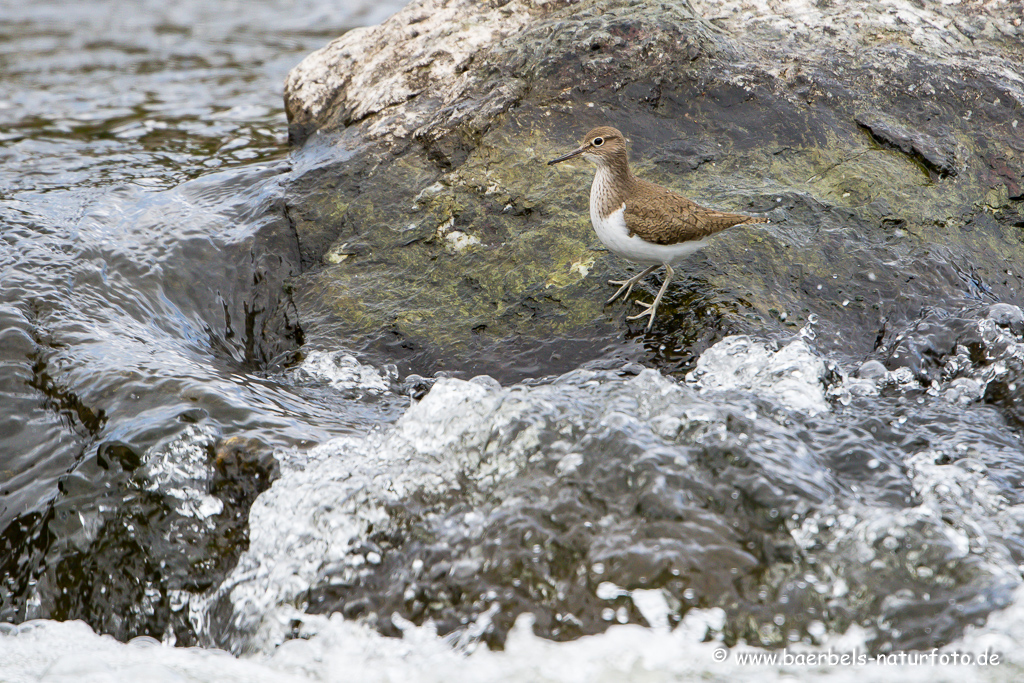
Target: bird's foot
[(627, 285), (649, 312), (652, 308)]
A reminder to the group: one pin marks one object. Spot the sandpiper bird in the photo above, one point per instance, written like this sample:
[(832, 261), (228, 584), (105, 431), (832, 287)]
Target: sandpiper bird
[(642, 221)]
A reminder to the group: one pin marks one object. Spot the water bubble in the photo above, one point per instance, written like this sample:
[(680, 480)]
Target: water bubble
[(568, 464), (607, 590), (816, 629)]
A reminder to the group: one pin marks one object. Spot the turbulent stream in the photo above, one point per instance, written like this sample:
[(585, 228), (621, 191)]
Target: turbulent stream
[(187, 496)]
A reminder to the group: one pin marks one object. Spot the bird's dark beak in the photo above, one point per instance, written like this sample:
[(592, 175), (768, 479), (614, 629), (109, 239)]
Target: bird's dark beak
[(565, 157)]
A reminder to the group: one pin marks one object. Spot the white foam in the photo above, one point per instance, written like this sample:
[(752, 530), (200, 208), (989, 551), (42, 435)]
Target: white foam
[(1002, 350), (342, 371), (346, 652), (791, 375), (70, 652), (963, 379), (182, 471), (313, 520)]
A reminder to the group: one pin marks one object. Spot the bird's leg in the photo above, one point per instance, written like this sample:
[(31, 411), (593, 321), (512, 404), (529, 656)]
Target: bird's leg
[(627, 285), (651, 308)]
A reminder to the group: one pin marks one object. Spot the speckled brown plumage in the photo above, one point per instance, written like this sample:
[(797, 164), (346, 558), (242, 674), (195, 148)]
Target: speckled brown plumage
[(654, 213), (661, 216)]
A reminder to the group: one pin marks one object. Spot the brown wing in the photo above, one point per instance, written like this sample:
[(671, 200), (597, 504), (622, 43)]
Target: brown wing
[(664, 217)]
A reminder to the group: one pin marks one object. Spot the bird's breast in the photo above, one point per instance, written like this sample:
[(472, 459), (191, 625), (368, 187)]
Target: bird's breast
[(611, 228), (614, 234), (607, 214)]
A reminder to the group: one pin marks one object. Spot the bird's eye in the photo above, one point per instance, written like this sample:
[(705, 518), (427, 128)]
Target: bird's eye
[(598, 142)]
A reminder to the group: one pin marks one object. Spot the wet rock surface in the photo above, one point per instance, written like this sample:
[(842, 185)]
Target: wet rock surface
[(430, 231)]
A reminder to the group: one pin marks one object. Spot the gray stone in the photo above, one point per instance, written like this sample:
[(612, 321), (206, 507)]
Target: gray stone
[(938, 156), (432, 233)]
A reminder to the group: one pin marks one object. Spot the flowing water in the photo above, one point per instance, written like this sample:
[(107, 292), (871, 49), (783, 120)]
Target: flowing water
[(173, 474), (142, 145)]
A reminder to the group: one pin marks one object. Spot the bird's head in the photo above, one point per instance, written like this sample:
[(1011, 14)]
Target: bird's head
[(601, 146)]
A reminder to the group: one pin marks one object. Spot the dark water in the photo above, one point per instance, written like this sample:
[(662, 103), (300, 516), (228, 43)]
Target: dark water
[(141, 151)]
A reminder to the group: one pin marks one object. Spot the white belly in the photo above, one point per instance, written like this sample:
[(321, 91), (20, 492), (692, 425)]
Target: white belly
[(613, 234)]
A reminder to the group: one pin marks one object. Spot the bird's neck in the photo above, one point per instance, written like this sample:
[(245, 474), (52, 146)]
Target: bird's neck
[(612, 184)]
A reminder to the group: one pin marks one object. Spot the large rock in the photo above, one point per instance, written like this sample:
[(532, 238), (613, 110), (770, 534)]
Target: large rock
[(884, 139)]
